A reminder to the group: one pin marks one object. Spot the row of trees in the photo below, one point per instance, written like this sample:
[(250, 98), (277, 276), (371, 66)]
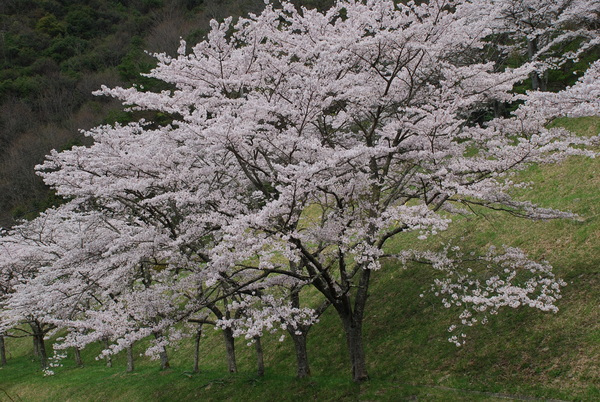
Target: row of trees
[(293, 146)]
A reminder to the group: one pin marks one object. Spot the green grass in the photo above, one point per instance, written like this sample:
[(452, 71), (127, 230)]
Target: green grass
[(519, 354)]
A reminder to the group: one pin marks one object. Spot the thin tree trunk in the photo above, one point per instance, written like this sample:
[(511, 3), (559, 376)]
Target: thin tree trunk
[(352, 320), (230, 347), (42, 350), (531, 51), (39, 345), (302, 367), (499, 109), (197, 349), (544, 81), (260, 361), (164, 356), (130, 360), (36, 346), (2, 352), (78, 360), (108, 357)]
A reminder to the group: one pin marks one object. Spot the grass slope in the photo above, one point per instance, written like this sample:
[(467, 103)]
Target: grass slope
[(520, 354)]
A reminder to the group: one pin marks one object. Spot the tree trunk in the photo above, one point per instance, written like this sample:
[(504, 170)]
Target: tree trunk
[(2, 352), (260, 361), (42, 350), (108, 357), (36, 346), (164, 356), (355, 348), (197, 349), (499, 109), (230, 347), (532, 49), (302, 367), (78, 360), (39, 345), (352, 320), (130, 360), (164, 359), (544, 81)]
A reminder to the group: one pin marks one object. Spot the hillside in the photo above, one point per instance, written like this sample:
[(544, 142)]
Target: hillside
[(297, 160), (54, 54), (521, 354)]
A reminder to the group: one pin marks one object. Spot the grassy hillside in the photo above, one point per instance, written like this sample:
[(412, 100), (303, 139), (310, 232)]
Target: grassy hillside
[(520, 354)]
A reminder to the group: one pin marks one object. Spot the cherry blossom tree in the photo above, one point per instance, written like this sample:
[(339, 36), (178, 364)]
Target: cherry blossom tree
[(23, 254), (581, 99), (135, 173), (351, 127), (273, 311), (86, 262), (301, 144), (543, 30)]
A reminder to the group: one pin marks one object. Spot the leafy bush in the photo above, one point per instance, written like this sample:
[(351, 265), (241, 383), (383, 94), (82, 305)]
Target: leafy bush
[(50, 25), (63, 48)]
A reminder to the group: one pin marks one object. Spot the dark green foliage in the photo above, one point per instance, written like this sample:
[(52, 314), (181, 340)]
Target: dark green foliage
[(22, 49), (50, 25), (321, 5), (196, 36), (17, 6), (36, 206), (150, 4), (135, 62), (118, 116), (63, 48), (82, 22)]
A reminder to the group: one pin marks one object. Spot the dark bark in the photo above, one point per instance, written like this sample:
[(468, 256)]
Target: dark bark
[(197, 349), (355, 348), (499, 109), (39, 344), (230, 348), (352, 320), (2, 352), (130, 360), (537, 82), (78, 360), (260, 361), (350, 315), (36, 347), (108, 357), (41, 350), (302, 366), (227, 336)]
